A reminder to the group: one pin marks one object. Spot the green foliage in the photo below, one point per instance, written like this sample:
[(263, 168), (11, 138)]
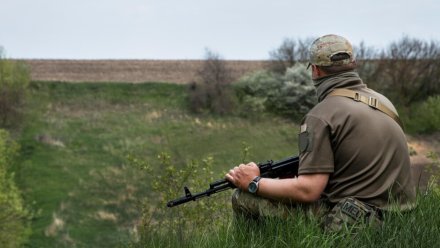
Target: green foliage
[(167, 184), (291, 95), (424, 117), (13, 214), (74, 146), (14, 80), (297, 95), (255, 89), (417, 228)]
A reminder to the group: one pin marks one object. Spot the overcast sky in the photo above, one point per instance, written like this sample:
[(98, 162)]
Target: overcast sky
[(182, 29)]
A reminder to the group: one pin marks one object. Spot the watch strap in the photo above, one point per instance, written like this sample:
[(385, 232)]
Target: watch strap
[(256, 179)]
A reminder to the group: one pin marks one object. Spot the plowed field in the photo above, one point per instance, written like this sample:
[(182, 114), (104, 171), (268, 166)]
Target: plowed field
[(134, 71)]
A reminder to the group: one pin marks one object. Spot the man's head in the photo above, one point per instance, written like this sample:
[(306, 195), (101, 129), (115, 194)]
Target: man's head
[(331, 54)]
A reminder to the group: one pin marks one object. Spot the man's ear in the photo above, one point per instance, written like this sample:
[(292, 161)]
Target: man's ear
[(316, 72)]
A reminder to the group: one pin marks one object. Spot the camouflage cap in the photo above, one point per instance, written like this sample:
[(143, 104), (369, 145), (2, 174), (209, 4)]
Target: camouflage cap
[(323, 51)]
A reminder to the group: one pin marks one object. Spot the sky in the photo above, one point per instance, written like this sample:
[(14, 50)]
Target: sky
[(184, 29)]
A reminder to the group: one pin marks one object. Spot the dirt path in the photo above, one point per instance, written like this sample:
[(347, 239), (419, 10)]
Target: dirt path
[(423, 147)]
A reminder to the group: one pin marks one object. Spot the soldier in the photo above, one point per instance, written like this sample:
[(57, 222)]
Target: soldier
[(354, 158)]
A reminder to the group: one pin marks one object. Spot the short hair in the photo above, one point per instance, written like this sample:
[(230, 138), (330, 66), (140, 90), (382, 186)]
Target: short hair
[(338, 68)]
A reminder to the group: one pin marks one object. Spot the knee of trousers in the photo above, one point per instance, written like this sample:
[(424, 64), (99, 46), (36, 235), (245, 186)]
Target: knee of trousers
[(244, 203)]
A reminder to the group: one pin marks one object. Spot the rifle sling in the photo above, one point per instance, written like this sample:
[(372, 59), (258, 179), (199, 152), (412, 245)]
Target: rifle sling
[(370, 101)]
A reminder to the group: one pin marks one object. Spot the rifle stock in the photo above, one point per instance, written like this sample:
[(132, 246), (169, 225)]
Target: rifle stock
[(270, 169)]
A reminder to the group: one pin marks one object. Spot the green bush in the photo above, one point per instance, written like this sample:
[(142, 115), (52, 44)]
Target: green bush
[(13, 215), (159, 222), (297, 95), (255, 89), (14, 81), (291, 95), (424, 117)]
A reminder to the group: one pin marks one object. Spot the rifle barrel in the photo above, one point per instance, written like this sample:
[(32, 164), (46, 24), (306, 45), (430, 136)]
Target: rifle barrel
[(288, 166), (226, 185)]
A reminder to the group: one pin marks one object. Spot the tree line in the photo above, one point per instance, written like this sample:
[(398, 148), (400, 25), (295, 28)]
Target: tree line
[(407, 71)]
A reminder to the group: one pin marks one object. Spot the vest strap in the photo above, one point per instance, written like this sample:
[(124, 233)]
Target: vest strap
[(368, 100)]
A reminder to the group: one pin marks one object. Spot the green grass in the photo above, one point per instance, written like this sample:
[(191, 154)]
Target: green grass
[(75, 176), (418, 228), (75, 140)]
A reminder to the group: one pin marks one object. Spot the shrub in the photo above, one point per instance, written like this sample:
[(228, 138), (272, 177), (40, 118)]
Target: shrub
[(424, 117), (410, 68), (290, 95), (13, 215), (14, 80), (254, 90), (159, 221), (407, 71), (297, 95), (288, 54), (212, 91), (368, 66)]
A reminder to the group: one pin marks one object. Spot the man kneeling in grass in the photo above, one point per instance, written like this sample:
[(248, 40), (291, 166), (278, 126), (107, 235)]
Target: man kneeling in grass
[(354, 160)]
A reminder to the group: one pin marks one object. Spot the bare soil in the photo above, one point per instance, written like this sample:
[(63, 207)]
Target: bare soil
[(133, 71), (423, 165)]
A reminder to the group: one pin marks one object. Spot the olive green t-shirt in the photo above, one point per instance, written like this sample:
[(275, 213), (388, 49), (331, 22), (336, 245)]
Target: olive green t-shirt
[(364, 150)]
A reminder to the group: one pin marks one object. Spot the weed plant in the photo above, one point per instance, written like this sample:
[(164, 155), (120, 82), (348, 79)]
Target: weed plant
[(14, 216)]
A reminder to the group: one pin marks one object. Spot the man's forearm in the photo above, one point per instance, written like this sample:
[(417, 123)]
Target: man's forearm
[(302, 189)]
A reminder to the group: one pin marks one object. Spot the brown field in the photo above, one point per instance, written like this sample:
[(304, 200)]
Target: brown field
[(134, 71)]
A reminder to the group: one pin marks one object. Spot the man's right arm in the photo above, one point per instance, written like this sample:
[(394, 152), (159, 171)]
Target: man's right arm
[(304, 188)]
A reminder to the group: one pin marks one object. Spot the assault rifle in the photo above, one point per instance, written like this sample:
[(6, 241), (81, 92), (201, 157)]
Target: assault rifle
[(284, 168)]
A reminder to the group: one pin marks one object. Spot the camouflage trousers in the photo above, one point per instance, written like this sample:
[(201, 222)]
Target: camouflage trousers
[(252, 206), (348, 214), (352, 215)]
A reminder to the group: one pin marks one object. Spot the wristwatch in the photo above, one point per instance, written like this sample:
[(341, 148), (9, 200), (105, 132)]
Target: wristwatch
[(253, 185)]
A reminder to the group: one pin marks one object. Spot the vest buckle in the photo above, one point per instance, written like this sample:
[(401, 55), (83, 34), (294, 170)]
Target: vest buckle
[(373, 102)]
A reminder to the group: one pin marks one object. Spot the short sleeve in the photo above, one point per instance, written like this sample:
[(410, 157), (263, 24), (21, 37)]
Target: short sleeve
[(314, 144)]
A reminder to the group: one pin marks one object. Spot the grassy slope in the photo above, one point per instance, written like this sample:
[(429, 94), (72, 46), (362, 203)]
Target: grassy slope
[(76, 139), (416, 229)]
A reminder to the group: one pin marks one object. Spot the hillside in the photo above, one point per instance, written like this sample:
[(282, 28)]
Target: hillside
[(135, 71), (182, 72), (77, 140)]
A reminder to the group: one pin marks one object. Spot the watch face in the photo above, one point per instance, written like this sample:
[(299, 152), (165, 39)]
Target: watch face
[(253, 187)]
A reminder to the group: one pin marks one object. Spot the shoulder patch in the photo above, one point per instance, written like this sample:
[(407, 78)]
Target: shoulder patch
[(305, 143), (303, 128)]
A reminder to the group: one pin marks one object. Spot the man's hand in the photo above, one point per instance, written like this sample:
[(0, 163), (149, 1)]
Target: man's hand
[(242, 175)]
